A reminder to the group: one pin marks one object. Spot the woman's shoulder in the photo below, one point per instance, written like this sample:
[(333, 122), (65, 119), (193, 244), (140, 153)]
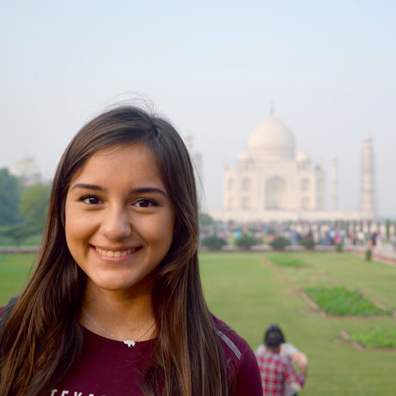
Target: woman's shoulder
[(232, 343), (236, 349)]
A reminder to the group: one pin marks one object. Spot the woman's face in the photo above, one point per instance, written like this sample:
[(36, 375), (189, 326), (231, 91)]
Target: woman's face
[(119, 218)]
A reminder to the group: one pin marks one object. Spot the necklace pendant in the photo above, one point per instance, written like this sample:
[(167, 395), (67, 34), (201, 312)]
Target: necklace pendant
[(129, 343)]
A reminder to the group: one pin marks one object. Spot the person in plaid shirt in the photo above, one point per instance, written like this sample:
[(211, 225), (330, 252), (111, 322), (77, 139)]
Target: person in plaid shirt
[(275, 370)]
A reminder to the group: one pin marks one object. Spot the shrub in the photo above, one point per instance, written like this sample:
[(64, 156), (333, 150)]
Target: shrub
[(280, 243), (246, 242), (338, 247), (367, 254), (213, 242), (309, 243)]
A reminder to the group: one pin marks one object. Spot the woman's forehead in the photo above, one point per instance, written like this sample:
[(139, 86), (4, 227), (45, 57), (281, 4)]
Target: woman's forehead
[(127, 165), (121, 155)]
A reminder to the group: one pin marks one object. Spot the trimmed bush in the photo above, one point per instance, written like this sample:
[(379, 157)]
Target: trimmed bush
[(280, 243), (367, 254), (213, 242), (246, 242), (308, 243), (338, 247)]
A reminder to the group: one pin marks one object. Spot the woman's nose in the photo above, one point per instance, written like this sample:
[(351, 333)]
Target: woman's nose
[(116, 224)]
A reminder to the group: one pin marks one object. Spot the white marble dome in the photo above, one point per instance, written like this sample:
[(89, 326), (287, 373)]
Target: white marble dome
[(272, 141)]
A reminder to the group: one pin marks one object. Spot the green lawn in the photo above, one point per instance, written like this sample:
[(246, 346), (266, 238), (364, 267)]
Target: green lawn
[(249, 292), (14, 274)]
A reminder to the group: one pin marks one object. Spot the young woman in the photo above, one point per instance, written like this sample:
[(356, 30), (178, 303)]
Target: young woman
[(115, 305)]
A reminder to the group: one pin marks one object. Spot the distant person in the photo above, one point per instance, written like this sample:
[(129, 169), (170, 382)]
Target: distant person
[(293, 237), (115, 305), (275, 359), (378, 242), (338, 237), (374, 239), (393, 241), (331, 236), (361, 238)]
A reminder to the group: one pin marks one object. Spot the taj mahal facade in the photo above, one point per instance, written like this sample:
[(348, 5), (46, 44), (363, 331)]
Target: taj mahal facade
[(271, 182)]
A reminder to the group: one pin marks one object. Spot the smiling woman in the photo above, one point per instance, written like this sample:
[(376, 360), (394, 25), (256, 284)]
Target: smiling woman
[(119, 229), (115, 306)]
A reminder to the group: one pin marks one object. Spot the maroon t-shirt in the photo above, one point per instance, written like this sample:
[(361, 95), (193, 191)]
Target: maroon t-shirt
[(111, 368)]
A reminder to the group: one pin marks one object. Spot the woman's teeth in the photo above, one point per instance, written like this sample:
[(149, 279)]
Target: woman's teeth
[(114, 253)]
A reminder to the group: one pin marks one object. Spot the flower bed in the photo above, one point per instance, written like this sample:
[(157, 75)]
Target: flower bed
[(341, 301), (378, 337), (286, 260)]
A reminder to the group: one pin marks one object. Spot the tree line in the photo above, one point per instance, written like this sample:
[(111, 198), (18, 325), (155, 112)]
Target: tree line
[(23, 210)]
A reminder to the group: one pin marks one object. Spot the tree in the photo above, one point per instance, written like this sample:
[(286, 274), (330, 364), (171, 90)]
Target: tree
[(34, 205), (206, 223), (17, 232), (10, 190)]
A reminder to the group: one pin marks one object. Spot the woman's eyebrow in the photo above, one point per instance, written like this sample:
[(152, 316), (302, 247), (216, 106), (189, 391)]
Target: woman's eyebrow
[(145, 190), (139, 190), (88, 187)]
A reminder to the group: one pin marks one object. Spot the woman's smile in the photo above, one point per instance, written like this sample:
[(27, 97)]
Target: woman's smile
[(116, 253)]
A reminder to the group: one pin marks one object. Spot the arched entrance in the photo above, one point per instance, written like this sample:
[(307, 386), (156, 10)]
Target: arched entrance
[(275, 194)]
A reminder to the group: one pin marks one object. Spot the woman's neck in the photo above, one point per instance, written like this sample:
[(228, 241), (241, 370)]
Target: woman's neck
[(117, 313)]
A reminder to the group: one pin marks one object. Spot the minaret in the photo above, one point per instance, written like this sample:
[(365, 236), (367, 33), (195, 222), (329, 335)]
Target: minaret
[(197, 164), (334, 182), (368, 179)]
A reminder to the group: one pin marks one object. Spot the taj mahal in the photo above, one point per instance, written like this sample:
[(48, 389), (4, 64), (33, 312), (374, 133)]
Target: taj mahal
[(271, 182)]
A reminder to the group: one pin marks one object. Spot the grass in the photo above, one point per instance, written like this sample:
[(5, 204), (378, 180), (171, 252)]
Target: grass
[(14, 274), (248, 294), (286, 260), (378, 337), (245, 292), (341, 301)]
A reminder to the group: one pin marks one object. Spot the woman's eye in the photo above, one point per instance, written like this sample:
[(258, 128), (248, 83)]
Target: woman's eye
[(90, 200), (145, 203)]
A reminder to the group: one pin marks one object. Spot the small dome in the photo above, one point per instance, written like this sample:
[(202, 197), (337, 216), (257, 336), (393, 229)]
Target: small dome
[(27, 170), (271, 141), (244, 156), (302, 157), (25, 167)]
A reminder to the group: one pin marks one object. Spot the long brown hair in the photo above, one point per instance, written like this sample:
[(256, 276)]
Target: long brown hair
[(42, 336)]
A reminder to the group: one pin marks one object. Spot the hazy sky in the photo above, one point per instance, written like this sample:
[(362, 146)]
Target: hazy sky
[(213, 67)]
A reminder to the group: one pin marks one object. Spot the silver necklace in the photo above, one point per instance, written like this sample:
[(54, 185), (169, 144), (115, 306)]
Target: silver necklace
[(127, 342)]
